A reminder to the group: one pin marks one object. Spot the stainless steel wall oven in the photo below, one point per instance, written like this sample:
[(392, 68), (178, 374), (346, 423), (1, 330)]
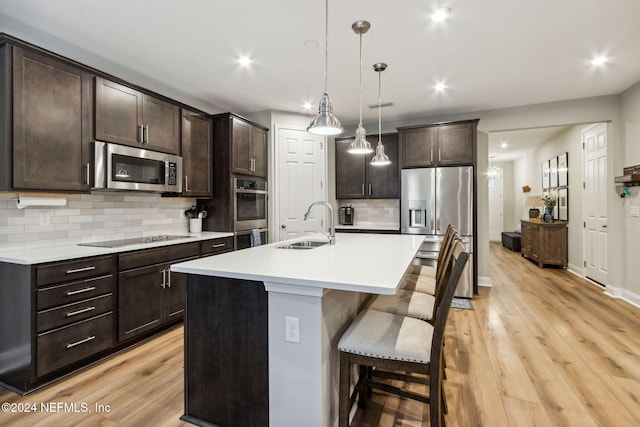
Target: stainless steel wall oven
[(250, 200)]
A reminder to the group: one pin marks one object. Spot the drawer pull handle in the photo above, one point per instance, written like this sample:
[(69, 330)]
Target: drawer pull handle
[(87, 339), (218, 245), (80, 270), (80, 291), (84, 310)]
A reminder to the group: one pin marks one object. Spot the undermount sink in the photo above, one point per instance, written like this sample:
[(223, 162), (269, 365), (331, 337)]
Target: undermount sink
[(305, 244)]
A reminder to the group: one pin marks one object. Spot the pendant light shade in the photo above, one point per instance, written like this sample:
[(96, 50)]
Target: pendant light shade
[(360, 145), (325, 123), (380, 159)]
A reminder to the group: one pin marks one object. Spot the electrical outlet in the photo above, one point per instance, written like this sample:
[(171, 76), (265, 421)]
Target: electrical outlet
[(292, 329), (45, 218)]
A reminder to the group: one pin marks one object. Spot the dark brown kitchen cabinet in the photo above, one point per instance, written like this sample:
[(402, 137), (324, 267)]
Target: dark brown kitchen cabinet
[(197, 159), (130, 117), (249, 147), (46, 121), (445, 144), (356, 178), (62, 316), (150, 295)]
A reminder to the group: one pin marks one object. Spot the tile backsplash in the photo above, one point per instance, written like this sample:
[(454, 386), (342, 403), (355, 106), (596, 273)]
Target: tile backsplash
[(375, 213), (91, 217)]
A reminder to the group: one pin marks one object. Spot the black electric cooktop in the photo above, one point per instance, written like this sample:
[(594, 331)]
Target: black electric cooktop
[(132, 241)]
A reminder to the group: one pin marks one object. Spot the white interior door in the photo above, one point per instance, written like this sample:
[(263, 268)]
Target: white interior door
[(300, 180), (594, 141), (496, 208)]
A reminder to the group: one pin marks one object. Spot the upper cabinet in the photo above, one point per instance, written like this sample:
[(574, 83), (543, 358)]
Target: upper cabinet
[(438, 145), (356, 178), (129, 117), (46, 122), (197, 132), (249, 147)]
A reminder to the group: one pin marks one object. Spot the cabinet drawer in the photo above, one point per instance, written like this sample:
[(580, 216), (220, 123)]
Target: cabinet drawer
[(73, 270), (77, 291), (64, 346), (60, 316), (161, 255), (212, 247)]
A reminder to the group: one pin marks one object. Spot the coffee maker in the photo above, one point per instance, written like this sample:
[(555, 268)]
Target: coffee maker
[(345, 216)]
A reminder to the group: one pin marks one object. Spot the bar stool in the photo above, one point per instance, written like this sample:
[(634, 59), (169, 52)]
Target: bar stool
[(423, 278), (391, 346), (417, 304)]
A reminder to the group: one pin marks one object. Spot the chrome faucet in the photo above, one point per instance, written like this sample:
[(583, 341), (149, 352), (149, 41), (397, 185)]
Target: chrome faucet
[(331, 235)]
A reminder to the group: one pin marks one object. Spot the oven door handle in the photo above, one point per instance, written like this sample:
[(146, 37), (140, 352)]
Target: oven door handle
[(245, 191)]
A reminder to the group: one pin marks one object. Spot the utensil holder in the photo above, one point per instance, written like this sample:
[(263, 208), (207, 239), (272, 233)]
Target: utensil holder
[(195, 225)]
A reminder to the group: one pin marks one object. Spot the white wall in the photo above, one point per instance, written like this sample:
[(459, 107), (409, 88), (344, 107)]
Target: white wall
[(631, 225)]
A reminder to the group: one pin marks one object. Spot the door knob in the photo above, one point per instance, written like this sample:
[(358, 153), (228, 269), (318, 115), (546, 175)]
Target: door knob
[(283, 226)]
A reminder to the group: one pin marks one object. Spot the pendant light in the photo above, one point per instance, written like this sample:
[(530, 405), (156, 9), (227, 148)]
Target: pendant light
[(380, 159), (325, 123), (493, 172), (360, 145)]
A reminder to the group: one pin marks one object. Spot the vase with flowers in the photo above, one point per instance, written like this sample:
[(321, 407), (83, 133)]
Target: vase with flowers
[(549, 199)]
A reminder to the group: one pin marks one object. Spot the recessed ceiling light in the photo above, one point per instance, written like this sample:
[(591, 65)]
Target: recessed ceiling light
[(307, 105), (440, 87), (244, 61), (599, 61), (440, 14), (503, 145)]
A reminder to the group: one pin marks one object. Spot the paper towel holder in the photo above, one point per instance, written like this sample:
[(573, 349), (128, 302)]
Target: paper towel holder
[(39, 201)]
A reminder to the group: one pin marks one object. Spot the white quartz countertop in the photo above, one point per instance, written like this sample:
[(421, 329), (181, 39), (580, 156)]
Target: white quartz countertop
[(30, 256), (381, 227), (372, 263)]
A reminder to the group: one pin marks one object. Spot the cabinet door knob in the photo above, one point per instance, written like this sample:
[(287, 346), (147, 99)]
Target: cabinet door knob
[(283, 226)]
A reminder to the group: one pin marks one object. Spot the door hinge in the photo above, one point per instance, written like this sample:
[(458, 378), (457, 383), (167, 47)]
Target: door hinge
[(584, 263), (321, 184), (583, 145), (584, 185), (584, 224), (322, 145)]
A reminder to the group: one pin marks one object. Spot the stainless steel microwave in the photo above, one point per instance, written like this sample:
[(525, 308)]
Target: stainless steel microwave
[(118, 167)]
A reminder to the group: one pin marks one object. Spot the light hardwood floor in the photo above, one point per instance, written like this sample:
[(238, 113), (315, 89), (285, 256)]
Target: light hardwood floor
[(542, 348)]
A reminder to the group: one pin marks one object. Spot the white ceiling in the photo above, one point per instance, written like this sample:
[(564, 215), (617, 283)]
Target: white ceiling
[(491, 53), (519, 142)]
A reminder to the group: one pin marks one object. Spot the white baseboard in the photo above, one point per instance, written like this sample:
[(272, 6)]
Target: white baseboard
[(576, 269), (484, 281), (623, 294)]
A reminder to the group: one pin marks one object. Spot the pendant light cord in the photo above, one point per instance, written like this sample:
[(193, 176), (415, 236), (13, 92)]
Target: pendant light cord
[(379, 107), (360, 79), (326, 43)]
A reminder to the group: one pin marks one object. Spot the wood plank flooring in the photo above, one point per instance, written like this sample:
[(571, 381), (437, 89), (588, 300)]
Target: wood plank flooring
[(542, 348)]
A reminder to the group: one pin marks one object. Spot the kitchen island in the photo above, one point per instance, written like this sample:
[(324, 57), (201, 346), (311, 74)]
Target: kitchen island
[(243, 366)]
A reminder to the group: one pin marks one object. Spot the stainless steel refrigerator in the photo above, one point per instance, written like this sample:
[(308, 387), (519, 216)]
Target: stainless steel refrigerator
[(433, 198)]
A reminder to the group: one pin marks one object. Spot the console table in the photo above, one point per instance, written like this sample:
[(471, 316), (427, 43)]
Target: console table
[(545, 242)]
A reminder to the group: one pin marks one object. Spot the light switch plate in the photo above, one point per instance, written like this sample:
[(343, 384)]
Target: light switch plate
[(634, 211)]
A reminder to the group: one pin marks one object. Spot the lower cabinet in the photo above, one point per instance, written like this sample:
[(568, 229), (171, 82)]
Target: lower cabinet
[(75, 311), (151, 296), (65, 315)]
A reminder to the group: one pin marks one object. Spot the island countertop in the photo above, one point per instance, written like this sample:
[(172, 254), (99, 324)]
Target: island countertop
[(372, 263)]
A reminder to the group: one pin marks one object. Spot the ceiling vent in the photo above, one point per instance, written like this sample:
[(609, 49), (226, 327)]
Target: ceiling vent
[(384, 104)]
